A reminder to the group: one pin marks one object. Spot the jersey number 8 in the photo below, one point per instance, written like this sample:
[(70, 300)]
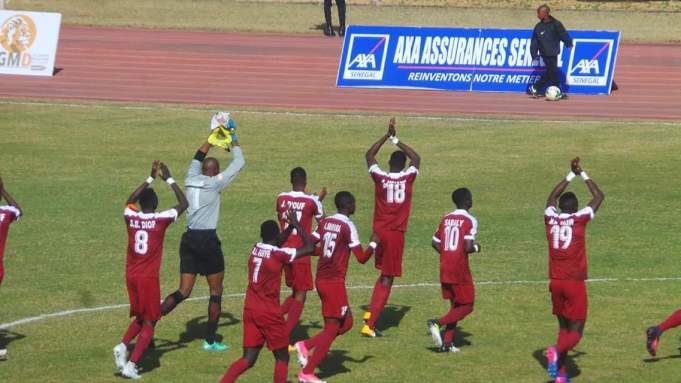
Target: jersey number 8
[(141, 242)]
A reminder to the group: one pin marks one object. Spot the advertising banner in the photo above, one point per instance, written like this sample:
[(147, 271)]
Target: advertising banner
[(28, 42)]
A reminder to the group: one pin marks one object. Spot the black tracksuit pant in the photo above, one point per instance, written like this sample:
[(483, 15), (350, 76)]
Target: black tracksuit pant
[(551, 75), (341, 12)]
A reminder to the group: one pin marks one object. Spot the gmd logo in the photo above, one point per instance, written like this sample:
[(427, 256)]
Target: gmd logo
[(590, 61), (366, 55)]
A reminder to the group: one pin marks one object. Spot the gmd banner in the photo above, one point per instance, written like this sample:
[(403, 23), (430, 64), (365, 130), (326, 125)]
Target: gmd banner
[(28, 42), (467, 59)]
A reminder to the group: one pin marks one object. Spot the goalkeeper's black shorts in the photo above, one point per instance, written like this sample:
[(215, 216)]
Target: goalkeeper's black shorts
[(201, 253)]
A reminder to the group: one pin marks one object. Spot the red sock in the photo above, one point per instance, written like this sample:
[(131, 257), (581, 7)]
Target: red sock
[(294, 313), (561, 335), (346, 325), (134, 329), (237, 368), (378, 300), (455, 314), (280, 372), (671, 322), (312, 342), (450, 331), (286, 306), (326, 337), (143, 340), (568, 341)]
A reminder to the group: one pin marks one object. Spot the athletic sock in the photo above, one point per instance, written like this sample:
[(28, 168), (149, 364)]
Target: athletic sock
[(379, 298), (171, 302), (214, 310), (134, 329), (325, 339), (286, 306), (280, 371), (346, 325), (450, 331), (455, 314), (568, 341), (146, 334), (237, 368), (671, 322), (294, 313)]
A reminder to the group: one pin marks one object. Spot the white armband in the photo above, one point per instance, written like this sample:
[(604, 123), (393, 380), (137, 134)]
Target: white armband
[(373, 245), (476, 247), (570, 176), (394, 140), (149, 180), (585, 176), (170, 181)]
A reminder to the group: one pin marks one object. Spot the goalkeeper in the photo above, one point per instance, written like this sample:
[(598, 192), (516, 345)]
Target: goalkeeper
[(200, 251)]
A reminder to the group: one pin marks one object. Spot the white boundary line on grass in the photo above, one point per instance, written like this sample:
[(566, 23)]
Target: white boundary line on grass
[(343, 115), (65, 313)]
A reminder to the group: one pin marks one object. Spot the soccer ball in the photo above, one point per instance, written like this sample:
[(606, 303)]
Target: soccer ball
[(553, 93)]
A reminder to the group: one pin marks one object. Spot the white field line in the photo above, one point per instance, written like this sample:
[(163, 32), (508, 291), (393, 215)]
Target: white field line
[(65, 313), (570, 120)]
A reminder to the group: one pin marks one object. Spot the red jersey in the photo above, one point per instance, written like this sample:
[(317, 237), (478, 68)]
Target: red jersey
[(264, 276), (393, 192), (306, 207), (454, 229), (567, 246), (8, 214), (145, 241), (338, 236)]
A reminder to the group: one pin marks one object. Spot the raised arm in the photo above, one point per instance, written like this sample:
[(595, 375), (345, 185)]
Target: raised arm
[(373, 150), (10, 200), (411, 153), (560, 188), (596, 193), (195, 165), (182, 203), (228, 175), (136, 194)]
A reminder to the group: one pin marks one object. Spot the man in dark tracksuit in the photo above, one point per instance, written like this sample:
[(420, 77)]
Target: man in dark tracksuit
[(328, 28), (546, 38)]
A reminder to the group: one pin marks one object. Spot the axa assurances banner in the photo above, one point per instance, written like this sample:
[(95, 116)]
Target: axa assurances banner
[(466, 59), (28, 42)]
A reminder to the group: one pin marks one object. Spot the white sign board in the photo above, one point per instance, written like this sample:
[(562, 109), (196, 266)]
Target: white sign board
[(28, 42)]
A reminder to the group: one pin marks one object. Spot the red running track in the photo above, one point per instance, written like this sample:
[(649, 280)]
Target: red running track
[(299, 72)]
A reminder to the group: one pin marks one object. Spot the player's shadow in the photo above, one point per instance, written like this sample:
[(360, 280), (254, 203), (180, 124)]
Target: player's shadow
[(656, 359), (302, 330), (321, 26), (195, 329), (460, 339), (391, 316), (335, 361), (7, 337), (570, 363)]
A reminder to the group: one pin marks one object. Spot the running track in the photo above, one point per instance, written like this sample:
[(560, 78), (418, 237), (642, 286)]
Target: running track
[(299, 71)]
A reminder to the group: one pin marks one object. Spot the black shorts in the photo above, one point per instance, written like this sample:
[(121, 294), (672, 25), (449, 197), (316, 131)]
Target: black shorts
[(200, 253)]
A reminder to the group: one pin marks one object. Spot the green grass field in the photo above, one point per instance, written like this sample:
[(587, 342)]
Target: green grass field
[(638, 21), (72, 168)]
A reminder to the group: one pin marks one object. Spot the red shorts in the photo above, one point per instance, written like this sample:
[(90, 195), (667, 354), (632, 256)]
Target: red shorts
[(388, 256), (569, 298), (334, 299), (145, 297), (460, 294), (263, 326), (299, 275)]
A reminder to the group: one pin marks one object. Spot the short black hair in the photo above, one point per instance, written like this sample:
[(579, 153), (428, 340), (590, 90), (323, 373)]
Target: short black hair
[(148, 199), (568, 202), (460, 196), (344, 199), (398, 158), (298, 174), (539, 8), (269, 230)]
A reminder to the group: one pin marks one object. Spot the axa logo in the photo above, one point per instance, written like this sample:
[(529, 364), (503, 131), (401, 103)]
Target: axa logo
[(590, 62), (587, 67), (366, 55)]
